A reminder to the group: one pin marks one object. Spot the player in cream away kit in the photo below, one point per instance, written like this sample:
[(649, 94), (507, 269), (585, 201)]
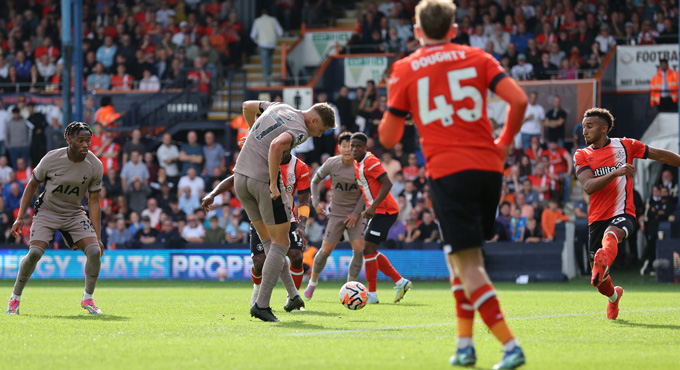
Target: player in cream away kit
[(444, 87), (605, 169), (259, 187), (344, 212), (67, 173)]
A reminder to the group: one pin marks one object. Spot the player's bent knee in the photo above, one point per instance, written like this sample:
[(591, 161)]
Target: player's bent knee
[(258, 262), (34, 254), (93, 251)]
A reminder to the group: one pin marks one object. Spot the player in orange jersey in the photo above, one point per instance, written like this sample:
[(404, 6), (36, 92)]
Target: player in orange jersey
[(605, 170), (443, 86), (381, 213)]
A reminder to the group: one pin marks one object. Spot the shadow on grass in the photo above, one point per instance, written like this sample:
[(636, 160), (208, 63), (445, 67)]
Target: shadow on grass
[(314, 313), (648, 326), (84, 317), (298, 324)]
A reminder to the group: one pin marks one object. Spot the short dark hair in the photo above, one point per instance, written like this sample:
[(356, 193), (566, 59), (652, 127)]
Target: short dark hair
[(106, 101), (505, 204), (663, 60), (15, 110), (360, 136), (345, 136), (602, 114), (75, 127)]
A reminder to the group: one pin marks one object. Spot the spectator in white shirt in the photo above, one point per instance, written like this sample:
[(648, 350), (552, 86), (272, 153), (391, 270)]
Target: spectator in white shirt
[(193, 232), (606, 40), (523, 70), (149, 82), (167, 155), (153, 212), (479, 39), (191, 180), (533, 121)]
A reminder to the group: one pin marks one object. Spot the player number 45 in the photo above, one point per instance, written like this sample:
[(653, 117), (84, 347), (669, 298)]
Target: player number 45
[(443, 110)]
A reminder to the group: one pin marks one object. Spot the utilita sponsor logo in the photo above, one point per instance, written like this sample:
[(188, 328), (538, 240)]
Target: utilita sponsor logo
[(606, 169)]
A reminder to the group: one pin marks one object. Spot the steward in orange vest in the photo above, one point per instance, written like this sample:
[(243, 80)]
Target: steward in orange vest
[(663, 90)]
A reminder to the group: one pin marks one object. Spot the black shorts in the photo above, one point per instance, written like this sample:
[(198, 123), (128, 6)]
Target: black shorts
[(378, 227), (597, 229), (256, 245), (465, 204)]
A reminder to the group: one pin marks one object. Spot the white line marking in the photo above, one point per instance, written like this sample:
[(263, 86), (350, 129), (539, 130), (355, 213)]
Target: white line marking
[(347, 331)]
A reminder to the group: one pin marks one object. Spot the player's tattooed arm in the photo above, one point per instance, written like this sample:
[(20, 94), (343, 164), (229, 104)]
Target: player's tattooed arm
[(223, 187)]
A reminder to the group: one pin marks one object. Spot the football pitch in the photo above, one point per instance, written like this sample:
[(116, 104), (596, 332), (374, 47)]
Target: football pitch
[(180, 325)]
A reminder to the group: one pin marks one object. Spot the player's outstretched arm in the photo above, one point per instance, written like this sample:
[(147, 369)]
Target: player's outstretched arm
[(224, 186), (250, 110), (517, 101), (664, 156), (592, 184), (278, 146), (391, 129), (29, 193)]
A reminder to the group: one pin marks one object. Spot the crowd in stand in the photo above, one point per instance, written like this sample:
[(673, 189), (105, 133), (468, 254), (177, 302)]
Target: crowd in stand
[(127, 44), (538, 40)]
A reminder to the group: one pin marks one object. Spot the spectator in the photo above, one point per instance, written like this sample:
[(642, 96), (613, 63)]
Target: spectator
[(149, 82), (214, 155), (169, 237), (107, 52), (151, 164), (606, 41), (500, 39), (135, 222), (545, 70), (108, 153), (532, 232), (669, 183), (4, 117), (567, 71), (120, 236), (121, 80), (38, 139), (98, 80), (167, 155), (411, 171), (501, 231), (428, 230), (134, 144), (46, 69), (152, 212), (112, 183), (523, 70), (193, 182), (533, 53), (18, 137), (561, 163), (147, 234), (191, 154), (215, 234), (134, 169), (237, 230), (176, 214), (23, 65), (136, 194), (479, 39), (54, 136), (540, 183), (595, 59), (647, 34), (533, 118), (526, 210), (511, 54), (517, 225), (521, 38), (554, 122), (546, 38), (266, 29), (556, 55), (549, 218), (4, 68), (187, 201), (397, 233), (193, 232), (663, 88), (345, 110)]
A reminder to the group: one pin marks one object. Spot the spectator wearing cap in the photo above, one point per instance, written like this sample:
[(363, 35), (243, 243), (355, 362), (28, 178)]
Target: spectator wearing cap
[(147, 234), (120, 236), (523, 70), (193, 232)]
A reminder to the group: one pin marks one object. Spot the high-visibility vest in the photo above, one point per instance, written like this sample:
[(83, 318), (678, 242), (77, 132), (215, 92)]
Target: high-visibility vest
[(105, 115), (657, 82)]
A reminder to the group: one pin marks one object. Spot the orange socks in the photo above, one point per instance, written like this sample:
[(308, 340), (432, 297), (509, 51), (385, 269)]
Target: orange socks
[(465, 313), (256, 279), (297, 276), (610, 244), (606, 288), (484, 300), (371, 262), (386, 268)]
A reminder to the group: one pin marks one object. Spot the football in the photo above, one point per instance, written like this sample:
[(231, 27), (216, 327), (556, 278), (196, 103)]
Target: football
[(221, 273), (353, 295)]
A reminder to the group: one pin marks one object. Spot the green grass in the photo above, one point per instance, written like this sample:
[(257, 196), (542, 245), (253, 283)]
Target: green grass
[(180, 325)]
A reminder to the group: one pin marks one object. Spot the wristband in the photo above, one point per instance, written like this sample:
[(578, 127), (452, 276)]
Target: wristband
[(303, 211)]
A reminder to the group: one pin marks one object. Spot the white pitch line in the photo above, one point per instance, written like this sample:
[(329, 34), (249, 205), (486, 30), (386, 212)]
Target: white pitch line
[(346, 331)]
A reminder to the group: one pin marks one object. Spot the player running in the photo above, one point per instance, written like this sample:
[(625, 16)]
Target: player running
[(258, 185), (381, 214), (297, 179), (68, 173), (605, 169), (344, 214), (443, 86)]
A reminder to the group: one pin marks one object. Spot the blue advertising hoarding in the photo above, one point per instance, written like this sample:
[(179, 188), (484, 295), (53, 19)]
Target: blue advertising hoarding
[(201, 264)]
